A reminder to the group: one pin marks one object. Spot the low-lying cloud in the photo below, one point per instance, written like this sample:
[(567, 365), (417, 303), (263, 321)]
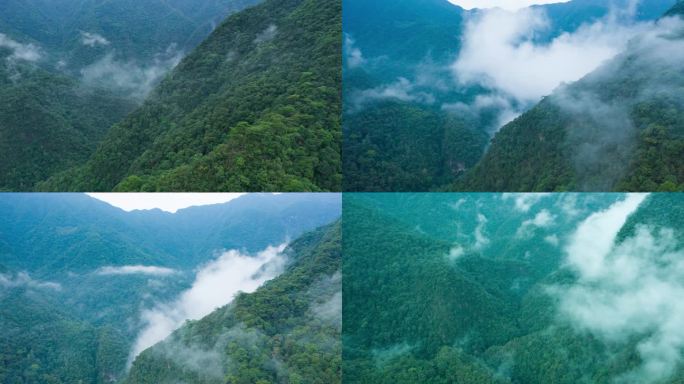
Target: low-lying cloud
[(91, 39), (25, 52), (523, 202), (24, 280), (267, 34), (629, 290), (135, 79), (352, 54), (401, 90), (502, 52), (136, 269), (215, 285)]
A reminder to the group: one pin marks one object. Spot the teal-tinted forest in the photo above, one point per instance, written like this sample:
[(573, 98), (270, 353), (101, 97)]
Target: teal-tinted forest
[(574, 96), (86, 289), (512, 288)]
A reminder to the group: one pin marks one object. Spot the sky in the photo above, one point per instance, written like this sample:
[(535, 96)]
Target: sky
[(505, 4), (169, 202)]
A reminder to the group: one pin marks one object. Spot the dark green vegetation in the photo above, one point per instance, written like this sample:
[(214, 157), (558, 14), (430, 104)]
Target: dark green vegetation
[(288, 331), (135, 30), (411, 138), (49, 123), (619, 128), (63, 322), (444, 288), (51, 117), (255, 107), (404, 147)]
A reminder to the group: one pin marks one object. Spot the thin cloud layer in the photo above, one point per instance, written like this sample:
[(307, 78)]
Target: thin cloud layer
[(130, 77), (500, 53), (93, 39), (215, 285), (24, 280), (630, 291), (136, 269), (26, 52)]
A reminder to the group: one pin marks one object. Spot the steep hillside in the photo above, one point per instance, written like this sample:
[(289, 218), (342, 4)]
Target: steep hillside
[(287, 331), (49, 123), (489, 288), (255, 107), (619, 128), (132, 30), (78, 277), (410, 123)]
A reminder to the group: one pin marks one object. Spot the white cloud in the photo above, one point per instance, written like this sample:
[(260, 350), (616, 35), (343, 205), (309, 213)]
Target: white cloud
[(215, 285), (169, 202), (136, 269), (524, 201), (23, 279), (401, 90), (26, 52), (630, 291), (504, 4), (552, 239), (92, 39), (594, 237), (542, 219), (500, 53), (267, 34), (636, 294), (137, 80), (455, 253), (353, 55), (480, 239)]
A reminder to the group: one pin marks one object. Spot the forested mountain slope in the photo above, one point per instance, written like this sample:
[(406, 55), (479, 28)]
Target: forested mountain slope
[(49, 122), (499, 288), (619, 128), (287, 331), (134, 30), (254, 107), (77, 276), (410, 123)]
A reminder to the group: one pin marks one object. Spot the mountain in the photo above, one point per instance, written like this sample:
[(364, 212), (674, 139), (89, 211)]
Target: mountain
[(492, 288), (78, 276), (286, 331), (409, 123), (134, 30), (69, 71), (49, 122), (254, 107), (619, 128)]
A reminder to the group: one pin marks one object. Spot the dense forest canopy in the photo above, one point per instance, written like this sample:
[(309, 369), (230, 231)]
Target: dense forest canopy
[(115, 103), (512, 288), (256, 107), (420, 116), (619, 128), (83, 284)]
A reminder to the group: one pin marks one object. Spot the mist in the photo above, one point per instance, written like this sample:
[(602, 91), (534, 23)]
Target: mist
[(502, 52), (134, 79), (136, 269), (628, 289), (92, 39), (24, 280), (26, 52), (215, 285)]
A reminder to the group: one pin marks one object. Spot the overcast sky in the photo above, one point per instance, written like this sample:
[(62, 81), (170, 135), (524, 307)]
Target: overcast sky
[(505, 4), (170, 202)]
